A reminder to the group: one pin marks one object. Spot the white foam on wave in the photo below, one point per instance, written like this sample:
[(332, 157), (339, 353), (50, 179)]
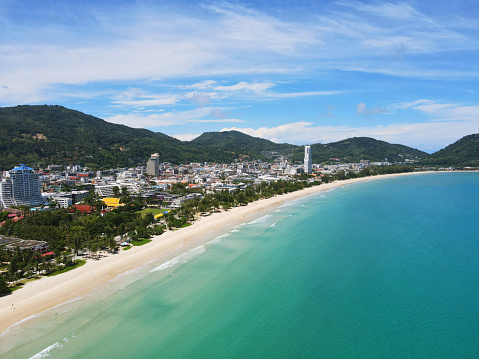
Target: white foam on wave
[(45, 353), (274, 224), (181, 259), (36, 315), (260, 219), (279, 210), (217, 239), (291, 203), (239, 225), (123, 280)]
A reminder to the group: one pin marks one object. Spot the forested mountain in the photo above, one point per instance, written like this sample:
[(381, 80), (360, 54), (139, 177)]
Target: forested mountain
[(54, 134), (241, 144), (462, 153), (57, 135), (361, 148)]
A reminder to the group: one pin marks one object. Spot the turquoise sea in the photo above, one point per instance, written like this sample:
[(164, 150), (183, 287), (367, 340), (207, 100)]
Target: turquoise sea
[(382, 269)]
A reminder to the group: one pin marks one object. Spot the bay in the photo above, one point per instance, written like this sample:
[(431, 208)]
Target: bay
[(385, 268)]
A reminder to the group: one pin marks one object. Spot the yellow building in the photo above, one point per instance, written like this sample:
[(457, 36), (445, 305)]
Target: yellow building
[(112, 202)]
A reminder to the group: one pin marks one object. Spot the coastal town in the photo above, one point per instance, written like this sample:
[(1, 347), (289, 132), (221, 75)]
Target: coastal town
[(130, 205)]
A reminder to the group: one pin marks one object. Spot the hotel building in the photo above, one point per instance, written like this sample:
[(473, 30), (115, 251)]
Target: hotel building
[(307, 159), (20, 186), (153, 165)]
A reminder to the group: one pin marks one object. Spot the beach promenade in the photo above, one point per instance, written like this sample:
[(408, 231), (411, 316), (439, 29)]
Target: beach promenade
[(48, 292)]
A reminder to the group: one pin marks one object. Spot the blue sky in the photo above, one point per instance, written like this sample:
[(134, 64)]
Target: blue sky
[(300, 72)]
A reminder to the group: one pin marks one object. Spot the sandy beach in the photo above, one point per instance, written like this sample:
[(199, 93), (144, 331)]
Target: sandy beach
[(40, 295)]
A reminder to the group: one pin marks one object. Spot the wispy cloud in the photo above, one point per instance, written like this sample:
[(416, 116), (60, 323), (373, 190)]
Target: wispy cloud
[(154, 64), (258, 87), (361, 109), (449, 111), (140, 120), (186, 136), (164, 119), (222, 120), (220, 39), (404, 133)]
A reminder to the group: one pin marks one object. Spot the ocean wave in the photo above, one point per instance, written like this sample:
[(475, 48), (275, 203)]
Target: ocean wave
[(181, 259), (274, 224), (219, 238), (45, 353), (239, 225), (260, 219), (291, 203)]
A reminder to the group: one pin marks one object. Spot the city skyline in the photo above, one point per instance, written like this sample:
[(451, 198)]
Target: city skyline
[(302, 73)]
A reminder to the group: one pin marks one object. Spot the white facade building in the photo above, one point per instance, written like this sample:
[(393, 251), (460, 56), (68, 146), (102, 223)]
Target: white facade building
[(307, 159), (21, 186), (153, 165), (106, 190)]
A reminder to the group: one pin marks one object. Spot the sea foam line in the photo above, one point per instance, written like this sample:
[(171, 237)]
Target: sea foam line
[(217, 239), (260, 219), (45, 353), (181, 259)]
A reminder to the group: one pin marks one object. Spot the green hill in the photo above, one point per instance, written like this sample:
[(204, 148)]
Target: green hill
[(57, 135), (54, 134), (462, 153), (241, 145), (360, 148)]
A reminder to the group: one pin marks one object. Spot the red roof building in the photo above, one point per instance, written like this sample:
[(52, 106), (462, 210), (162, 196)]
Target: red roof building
[(84, 208)]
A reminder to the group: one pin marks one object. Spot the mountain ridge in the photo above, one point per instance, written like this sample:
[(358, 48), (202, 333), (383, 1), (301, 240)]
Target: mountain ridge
[(52, 134)]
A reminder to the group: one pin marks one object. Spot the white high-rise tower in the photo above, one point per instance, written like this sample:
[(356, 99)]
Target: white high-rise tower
[(21, 186), (307, 159), (153, 165)]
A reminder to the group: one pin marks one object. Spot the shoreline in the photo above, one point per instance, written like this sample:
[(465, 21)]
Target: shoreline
[(43, 294)]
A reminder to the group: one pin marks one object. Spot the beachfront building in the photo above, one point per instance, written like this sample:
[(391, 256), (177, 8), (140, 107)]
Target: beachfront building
[(20, 244), (307, 159), (106, 190), (20, 186), (153, 165)]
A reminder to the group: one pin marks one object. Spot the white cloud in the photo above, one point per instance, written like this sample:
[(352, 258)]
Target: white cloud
[(186, 136), (224, 40), (138, 120), (202, 85), (448, 111), (361, 109), (223, 120), (303, 94), (159, 101), (411, 134), (246, 28), (200, 99), (400, 11), (258, 87), (142, 120)]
